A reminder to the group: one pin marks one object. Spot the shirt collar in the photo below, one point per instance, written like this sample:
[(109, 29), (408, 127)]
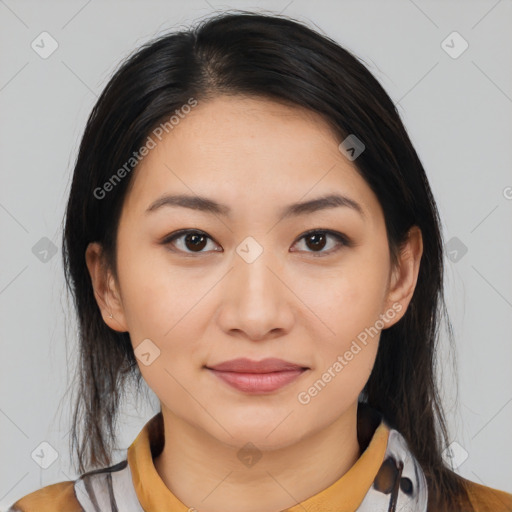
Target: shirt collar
[(344, 495)]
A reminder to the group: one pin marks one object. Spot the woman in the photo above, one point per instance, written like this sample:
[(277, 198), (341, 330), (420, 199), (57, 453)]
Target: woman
[(250, 231)]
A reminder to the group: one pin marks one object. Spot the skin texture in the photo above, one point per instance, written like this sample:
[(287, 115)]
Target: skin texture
[(294, 302)]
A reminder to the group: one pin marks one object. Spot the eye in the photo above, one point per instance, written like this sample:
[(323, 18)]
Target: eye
[(317, 240), (191, 241)]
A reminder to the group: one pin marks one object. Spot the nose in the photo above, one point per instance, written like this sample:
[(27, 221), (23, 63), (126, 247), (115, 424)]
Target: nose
[(256, 301)]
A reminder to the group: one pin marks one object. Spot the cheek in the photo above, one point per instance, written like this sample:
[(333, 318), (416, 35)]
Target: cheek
[(163, 304), (345, 354), (349, 304), (156, 296), (347, 301)]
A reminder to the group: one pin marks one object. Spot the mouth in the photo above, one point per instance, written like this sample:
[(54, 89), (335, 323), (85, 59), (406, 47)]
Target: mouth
[(268, 365), (257, 377)]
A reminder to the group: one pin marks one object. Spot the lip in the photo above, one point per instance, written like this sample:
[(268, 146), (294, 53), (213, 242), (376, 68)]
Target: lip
[(244, 365), (257, 377)]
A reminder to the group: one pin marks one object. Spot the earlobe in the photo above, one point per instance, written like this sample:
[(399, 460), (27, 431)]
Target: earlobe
[(405, 274), (105, 289)]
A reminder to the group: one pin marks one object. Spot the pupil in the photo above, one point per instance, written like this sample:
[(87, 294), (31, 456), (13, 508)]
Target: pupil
[(318, 241), (194, 238)]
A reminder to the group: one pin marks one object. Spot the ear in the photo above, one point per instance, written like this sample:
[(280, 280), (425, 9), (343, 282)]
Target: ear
[(405, 275), (105, 288)]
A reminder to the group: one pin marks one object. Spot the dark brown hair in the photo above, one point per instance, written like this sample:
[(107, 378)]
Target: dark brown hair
[(280, 59)]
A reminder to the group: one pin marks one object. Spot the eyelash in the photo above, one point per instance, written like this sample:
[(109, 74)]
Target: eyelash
[(342, 239)]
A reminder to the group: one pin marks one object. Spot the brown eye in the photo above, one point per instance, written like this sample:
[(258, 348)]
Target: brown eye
[(188, 241), (197, 241), (316, 241)]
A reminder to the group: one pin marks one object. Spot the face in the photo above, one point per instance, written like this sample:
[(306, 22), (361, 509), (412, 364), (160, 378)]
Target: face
[(198, 287)]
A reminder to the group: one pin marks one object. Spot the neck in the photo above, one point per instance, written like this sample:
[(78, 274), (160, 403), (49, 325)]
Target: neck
[(208, 475)]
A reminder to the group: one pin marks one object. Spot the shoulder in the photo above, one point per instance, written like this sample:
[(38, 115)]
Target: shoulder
[(59, 497), (109, 488), (462, 495), (487, 499)]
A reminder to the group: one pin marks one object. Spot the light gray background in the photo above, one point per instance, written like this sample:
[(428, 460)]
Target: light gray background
[(457, 111)]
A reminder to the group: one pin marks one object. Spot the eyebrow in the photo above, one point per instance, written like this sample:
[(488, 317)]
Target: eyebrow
[(207, 205)]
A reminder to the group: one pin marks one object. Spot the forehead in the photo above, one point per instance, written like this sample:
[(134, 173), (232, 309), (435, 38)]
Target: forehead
[(249, 150)]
